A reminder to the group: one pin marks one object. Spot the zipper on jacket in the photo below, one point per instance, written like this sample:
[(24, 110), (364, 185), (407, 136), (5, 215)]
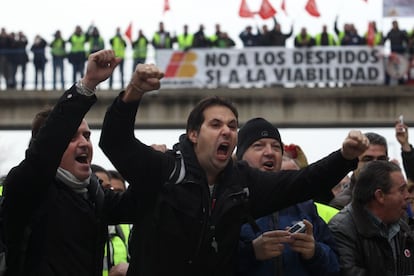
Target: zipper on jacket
[(206, 214), (214, 243), (209, 202), (244, 195), (212, 205)]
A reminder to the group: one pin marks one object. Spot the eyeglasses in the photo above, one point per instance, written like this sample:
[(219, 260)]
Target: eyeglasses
[(369, 158)]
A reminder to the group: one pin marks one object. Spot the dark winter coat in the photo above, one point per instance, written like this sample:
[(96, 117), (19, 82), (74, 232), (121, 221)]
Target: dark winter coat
[(185, 231), (363, 251), (67, 231)]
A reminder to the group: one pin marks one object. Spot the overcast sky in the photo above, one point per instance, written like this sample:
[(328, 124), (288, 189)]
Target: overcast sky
[(46, 16)]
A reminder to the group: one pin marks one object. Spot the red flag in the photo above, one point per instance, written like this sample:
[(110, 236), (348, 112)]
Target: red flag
[(312, 9), (244, 10), (266, 10), (166, 6), (371, 34), (128, 32), (283, 6)]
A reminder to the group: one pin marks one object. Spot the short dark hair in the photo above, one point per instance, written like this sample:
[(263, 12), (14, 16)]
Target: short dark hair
[(116, 175), (376, 139), (39, 121), (374, 175), (96, 168), (196, 117)]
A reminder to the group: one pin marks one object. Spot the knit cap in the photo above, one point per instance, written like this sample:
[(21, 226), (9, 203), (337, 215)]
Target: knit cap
[(254, 130)]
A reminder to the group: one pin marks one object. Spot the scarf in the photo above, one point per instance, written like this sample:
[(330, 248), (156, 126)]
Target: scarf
[(72, 182)]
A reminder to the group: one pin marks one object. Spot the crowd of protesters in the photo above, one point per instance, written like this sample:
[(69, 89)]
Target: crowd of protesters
[(16, 53), (189, 204)]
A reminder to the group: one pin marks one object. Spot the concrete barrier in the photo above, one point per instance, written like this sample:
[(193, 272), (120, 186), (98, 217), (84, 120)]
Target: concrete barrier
[(357, 106)]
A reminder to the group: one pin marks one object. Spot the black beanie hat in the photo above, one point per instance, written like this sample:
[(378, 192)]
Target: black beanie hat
[(254, 130)]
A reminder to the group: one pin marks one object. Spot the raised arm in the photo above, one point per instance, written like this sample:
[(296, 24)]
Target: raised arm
[(99, 67), (355, 144), (274, 191), (407, 153), (145, 78), (49, 143), (138, 163)]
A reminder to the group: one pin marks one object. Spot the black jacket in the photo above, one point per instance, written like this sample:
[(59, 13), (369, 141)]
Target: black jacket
[(67, 231), (408, 163), (363, 251), (182, 230)]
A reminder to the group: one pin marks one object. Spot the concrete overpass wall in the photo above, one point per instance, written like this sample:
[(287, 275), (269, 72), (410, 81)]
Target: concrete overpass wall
[(287, 107)]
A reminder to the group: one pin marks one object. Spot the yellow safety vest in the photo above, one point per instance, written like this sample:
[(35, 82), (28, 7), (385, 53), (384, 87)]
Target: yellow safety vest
[(341, 36), (185, 41), (300, 38), (118, 45), (141, 48), (331, 40), (167, 41), (78, 43), (58, 47), (118, 248), (213, 38), (326, 212)]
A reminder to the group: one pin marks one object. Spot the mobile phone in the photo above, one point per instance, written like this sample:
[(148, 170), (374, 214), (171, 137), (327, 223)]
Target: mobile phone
[(401, 119), (298, 227)]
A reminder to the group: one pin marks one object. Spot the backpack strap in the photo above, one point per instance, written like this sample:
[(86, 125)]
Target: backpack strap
[(120, 233), (178, 174), (96, 194)]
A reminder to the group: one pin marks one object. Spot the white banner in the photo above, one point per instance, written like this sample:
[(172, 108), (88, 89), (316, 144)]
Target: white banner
[(267, 66)]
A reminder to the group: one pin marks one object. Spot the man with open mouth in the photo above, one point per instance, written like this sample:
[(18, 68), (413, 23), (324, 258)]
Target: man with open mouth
[(194, 198), (56, 214)]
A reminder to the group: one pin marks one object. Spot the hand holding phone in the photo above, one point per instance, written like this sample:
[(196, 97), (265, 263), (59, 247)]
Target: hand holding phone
[(298, 227), (401, 121)]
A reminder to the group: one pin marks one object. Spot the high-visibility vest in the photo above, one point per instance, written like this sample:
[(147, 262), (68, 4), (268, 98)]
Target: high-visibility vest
[(157, 41), (78, 43), (118, 248), (58, 47), (118, 45), (300, 38), (326, 212), (213, 38), (185, 41), (140, 48), (331, 40), (341, 36)]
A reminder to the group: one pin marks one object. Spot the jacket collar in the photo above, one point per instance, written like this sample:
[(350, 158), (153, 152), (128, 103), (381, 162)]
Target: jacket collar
[(193, 167), (365, 224)]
